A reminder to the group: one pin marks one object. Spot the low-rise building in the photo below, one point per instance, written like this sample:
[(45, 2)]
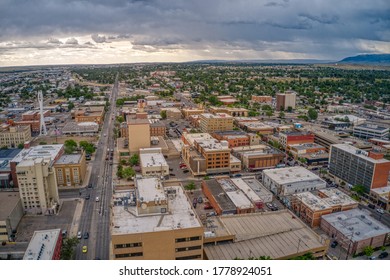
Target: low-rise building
[(44, 245), (291, 180), (153, 162), (234, 112), (157, 128), (257, 127), (259, 156), (12, 136), (187, 112), (89, 114), (254, 190), (310, 207), (299, 150), (70, 170), (262, 99), (367, 131), (173, 113), (276, 234), (355, 229), (288, 138), (381, 196), (7, 174), (155, 222), (82, 128), (235, 138), (11, 212)]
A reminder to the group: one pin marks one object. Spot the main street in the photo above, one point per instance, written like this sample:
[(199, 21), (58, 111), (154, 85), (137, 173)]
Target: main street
[(95, 218)]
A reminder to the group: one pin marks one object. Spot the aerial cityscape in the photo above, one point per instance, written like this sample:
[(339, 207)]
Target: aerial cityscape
[(236, 140)]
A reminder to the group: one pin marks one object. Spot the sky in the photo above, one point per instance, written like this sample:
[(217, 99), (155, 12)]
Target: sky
[(43, 32)]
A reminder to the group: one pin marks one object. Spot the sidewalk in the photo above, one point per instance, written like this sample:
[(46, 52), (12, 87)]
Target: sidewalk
[(76, 218)]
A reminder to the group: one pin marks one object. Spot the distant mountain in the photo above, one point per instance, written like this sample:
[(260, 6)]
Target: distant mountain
[(267, 61), (374, 59)]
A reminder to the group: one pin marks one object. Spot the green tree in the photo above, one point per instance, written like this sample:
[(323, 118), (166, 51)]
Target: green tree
[(67, 249), (282, 114), (70, 146), (266, 107), (289, 109), (42, 143), (120, 102), (70, 106), (368, 251), (190, 186), (214, 100), (312, 114), (128, 173), (119, 172), (120, 119), (89, 148), (269, 114), (358, 189), (163, 114), (21, 146), (134, 160)]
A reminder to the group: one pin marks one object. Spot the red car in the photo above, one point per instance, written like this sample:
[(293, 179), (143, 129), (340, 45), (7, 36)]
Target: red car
[(207, 206)]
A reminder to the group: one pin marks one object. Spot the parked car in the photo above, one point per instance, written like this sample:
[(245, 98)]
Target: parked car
[(97, 199), (211, 214), (207, 206), (79, 235), (334, 244), (89, 186), (372, 206), (86, 235), (186, 171), (380, 211), (87, 197), (200, 199), (171, 174), (383, 255)]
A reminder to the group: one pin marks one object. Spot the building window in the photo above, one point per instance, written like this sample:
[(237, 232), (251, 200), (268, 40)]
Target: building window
[(128, 245), (129, 255), (182, 249)]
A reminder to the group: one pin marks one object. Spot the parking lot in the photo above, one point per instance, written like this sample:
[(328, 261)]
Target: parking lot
[(63, 220)]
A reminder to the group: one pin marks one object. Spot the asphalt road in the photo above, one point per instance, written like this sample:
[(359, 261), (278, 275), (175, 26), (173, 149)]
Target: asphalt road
[(95, 218)]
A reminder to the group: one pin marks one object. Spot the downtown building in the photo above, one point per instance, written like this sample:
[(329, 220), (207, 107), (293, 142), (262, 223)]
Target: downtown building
[(218, 122), (12, 136), (285, 100), (358, 167)]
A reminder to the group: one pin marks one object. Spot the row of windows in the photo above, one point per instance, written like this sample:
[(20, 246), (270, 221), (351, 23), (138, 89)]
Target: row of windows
[(189, 257), (127, 245), (129, 255), (186, 239), (182, 249)]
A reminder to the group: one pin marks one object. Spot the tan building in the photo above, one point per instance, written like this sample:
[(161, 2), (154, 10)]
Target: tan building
[(155, 222), (234, 112), (262, 99), (285, 100), (310, 207), (89, 114), (218, 122), (11, 211), (153, 162), (37, 179), (157, 129), (139, 134), (70, 170), (187, 112), (206, 155), (12, 136), (259, 157), (173, 113)]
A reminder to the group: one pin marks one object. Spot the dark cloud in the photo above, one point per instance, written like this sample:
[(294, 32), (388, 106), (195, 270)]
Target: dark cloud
[(167, 24), (72, 41)]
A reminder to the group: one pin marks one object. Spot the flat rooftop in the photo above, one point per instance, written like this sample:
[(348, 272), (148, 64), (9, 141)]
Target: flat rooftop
[(8, 201), (213, 145), (235, 194), (254, 185), (276, 234), (191, 137), (82, 127), (9, 153), (290, 175), (42, 245), (150, 189), (356, 224), (179, 215), (216, 116), (41, 151), (301, 147), (230, 133), (69, 159), (218, 193), (152, 159), (374, 127), (359, 153)]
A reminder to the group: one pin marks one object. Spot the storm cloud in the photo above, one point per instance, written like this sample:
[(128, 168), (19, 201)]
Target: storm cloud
[(199, 29)]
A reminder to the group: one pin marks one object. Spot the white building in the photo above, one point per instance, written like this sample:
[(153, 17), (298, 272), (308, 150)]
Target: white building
[(367, 131), (291, 180), (44, 245), (153, 162)]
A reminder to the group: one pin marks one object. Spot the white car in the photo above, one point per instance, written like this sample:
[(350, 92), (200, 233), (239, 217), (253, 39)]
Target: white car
[(97, 199), (380, 211), (79, 235)]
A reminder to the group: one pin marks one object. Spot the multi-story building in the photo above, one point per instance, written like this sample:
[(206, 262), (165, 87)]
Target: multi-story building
[(44, 245), (218, 122), (288, 138), (7, 174), (187, 112), (257, 127), (234, 112), (153, 162), (259, 157), (204, 154), (11, 211), (36, 178), (367, 131), (310, 207), (306, 150), (34, 125), (354, 230), (12, 136), (285, 100), (139, 134), (172, 113), (70, 170), (358, 167), (155, 222), (90, 114), (291, 180), (157, 129), (235, 138), (262, 99), (34, 115)]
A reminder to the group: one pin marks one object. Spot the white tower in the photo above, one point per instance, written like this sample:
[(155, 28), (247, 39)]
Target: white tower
[(42, 128)]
